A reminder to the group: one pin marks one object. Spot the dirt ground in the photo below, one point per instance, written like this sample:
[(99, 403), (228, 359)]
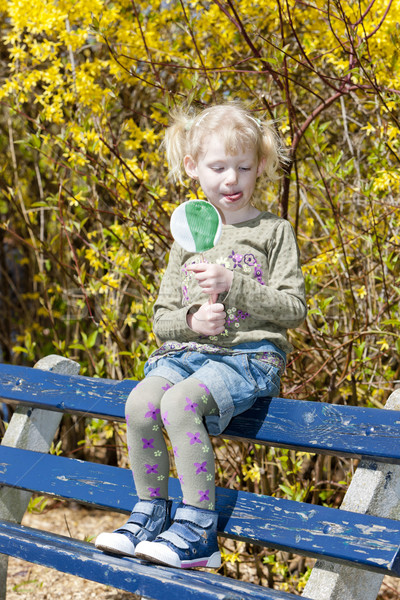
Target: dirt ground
[(33, 582), (27, 581)]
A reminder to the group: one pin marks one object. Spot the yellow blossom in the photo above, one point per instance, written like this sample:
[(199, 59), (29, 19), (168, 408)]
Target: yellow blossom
[(230, 557), (361, 292), (383, 344), (251, 472)]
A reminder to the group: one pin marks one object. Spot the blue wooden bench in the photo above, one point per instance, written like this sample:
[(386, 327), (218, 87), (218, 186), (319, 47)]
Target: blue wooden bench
[(358, 544)]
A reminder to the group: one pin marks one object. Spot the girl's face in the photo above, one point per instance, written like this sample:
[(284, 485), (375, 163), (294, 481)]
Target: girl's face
[(227, 180)]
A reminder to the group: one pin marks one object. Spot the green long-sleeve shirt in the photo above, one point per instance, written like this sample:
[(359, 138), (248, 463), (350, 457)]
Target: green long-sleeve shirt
[(267, 294)]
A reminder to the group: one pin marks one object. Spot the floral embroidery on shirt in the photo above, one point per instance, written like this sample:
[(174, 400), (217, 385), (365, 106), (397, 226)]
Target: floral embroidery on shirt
[(185, 294), (258, 274), (236, 259), (246, 262), (234, 316), (249, 260)]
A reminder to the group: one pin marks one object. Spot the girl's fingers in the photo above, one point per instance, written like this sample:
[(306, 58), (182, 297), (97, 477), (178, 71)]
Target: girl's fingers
[(217, 308)]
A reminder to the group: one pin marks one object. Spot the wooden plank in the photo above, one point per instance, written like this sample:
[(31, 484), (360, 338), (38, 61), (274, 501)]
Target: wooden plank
[(153, 581), (315, 427), (349, 538), (90, 483), (102, 398), (308, 426)]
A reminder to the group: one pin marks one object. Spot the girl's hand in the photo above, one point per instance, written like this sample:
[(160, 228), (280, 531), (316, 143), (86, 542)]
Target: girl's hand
[(208, 320), (213, 279)]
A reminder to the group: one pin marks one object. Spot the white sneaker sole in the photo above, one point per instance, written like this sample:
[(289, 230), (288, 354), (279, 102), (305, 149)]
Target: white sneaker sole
[(115, 543), (159, 553)]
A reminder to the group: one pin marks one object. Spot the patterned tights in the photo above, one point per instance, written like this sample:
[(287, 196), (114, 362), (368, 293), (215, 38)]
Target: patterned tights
[(156, 404)]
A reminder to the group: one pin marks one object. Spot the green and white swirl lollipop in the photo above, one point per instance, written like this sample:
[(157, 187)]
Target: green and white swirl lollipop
[(196, 225)]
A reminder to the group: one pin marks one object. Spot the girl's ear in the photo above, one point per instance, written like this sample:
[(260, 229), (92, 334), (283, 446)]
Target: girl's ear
[(261, 166), (190, 166)]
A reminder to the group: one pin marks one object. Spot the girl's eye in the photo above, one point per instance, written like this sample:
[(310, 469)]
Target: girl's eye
[(220, 169)]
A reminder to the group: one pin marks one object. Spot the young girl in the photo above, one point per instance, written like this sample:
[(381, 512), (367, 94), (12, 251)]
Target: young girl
[(223, 320)]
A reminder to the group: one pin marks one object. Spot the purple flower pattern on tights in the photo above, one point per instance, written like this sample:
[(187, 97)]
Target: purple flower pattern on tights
[(201, 467), (151, 469), (154, 492), (205, 388), (148, 443), (153, 412), (165, 419), (204, 495), (190, 405), (194, 438)]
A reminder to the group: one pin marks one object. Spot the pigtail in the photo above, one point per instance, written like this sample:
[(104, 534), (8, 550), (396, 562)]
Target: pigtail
[(175, 143), (273, 151)]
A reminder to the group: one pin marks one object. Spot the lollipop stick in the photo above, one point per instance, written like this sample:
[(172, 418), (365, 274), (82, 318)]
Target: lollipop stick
[(212, 298)]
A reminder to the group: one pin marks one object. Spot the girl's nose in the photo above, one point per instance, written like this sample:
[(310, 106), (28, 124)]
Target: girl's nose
[(231, 176)]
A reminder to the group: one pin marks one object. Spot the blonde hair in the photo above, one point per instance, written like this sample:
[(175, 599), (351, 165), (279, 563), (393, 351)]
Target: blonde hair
[(239, 128)]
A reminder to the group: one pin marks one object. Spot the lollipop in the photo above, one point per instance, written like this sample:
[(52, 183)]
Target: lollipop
[(196, 225)]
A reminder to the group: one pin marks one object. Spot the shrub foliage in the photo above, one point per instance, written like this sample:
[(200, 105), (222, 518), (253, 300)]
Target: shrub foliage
[(85, 92)]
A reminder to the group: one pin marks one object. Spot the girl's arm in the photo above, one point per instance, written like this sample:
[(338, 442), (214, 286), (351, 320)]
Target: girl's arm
[(172, 320), (282, 299), (169, 314)]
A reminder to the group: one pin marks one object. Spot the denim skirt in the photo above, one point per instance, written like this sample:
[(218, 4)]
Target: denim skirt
[(234, 380)]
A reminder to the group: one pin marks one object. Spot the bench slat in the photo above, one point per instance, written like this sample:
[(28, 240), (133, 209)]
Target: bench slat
[(271, 522), (84, 560), (301, 425), (102, 398)]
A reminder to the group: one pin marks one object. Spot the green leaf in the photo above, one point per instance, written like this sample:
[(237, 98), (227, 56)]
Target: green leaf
[(91, 340)]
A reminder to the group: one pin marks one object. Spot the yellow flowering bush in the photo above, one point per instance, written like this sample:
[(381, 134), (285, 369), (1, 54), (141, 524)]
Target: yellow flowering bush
[(85, 91)]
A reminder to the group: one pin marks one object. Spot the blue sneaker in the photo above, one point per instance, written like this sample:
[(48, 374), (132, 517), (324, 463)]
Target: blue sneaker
[(148, 518), (190, 542)]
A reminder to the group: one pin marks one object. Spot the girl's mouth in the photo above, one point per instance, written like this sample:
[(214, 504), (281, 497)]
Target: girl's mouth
[(233, 197)]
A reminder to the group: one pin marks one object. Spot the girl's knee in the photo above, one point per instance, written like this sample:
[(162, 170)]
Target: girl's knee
[(178, 406), (168, 407), (143, 404), (135, 403)]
